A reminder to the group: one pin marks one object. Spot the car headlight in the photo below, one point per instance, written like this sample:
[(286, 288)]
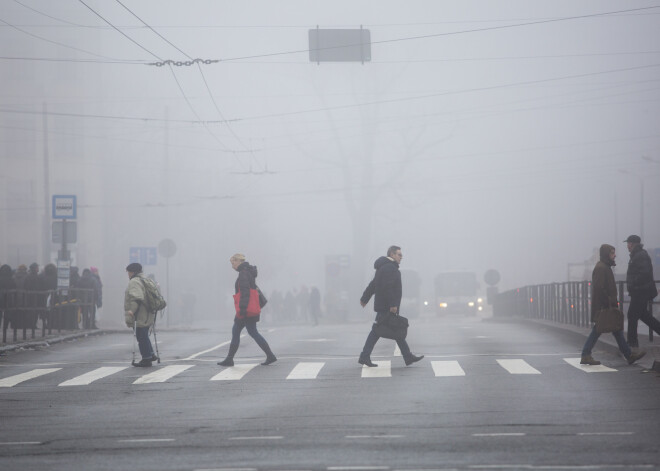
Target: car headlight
[(442, 304), (471, 304)]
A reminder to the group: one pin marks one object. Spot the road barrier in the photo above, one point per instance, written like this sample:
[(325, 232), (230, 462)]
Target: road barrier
[(60, 309), (565, 303)]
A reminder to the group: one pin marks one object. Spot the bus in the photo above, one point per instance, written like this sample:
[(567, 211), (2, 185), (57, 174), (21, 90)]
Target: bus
[(457, 293)]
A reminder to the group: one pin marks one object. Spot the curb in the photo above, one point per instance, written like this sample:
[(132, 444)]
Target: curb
[(45, 342)]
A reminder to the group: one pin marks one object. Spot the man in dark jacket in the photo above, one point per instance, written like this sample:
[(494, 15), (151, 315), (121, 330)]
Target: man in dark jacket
[(386, 285), (603, 296), (642, 289)]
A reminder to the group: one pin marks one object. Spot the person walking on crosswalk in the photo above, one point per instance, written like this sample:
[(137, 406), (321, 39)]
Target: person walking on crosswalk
[(386, 286), (137, 314), (642, 289), (246, 287), (603, 296)]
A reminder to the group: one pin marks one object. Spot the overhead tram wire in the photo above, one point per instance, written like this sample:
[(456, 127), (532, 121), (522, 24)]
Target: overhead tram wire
[(316, 110), (55, 42), (208, 89), (52, 17), (425, 36), (224, 147)]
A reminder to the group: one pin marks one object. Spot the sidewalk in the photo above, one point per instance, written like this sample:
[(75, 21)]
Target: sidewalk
[(39, 341)]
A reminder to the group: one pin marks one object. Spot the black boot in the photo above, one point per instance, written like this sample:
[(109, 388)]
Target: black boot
[(229, 361), (365, 360), (270, 356)]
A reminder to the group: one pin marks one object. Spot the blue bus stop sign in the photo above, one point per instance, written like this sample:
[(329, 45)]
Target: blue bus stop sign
[(143, 255)]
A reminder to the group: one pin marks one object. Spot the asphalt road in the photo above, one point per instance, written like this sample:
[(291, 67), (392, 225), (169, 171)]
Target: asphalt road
[(488, 395)]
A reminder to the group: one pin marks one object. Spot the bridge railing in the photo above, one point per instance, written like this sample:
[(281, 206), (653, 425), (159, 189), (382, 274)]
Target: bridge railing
[(60, 309), (565, 303)]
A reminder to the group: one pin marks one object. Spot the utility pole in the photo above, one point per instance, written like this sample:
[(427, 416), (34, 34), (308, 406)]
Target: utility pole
[(45, 227)]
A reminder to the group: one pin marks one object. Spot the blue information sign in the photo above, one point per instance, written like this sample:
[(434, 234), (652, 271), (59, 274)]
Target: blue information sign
[(143, 255), (64, 206)]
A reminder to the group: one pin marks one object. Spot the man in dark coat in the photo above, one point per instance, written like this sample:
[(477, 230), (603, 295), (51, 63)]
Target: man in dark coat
[(642, 289), (386, 285), (604, 296)]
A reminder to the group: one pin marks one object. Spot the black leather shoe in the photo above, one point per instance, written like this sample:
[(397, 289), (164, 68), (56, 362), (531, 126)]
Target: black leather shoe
[(269, 360), (226, 362), (413, 359), (366, 361), (144, 363)]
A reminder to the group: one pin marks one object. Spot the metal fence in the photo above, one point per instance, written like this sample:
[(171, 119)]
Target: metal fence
[(30, 311), (564, 303)]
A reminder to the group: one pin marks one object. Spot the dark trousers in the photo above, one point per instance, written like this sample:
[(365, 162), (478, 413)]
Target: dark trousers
[(142, 335), (639, 311), (251, 327), (373, 337)]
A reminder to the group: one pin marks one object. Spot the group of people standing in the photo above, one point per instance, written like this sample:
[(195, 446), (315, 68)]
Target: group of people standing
[(23, 309)]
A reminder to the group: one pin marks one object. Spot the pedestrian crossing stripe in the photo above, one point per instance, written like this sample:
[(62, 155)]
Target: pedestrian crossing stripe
[(383, 370), (306, 370), (588, 368), (234, 373), (447, 368), (301, 371), (518, 367), (162, 374), (16, 379), (90, 377)]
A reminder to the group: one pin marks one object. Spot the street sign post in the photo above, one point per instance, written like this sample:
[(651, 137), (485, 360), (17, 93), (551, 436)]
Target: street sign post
[(65, 208)]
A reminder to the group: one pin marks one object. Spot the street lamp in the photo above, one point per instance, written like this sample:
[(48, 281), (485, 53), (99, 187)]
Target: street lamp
[(641, 191)]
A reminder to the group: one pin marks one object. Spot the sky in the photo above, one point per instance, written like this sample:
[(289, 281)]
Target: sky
[(516, 136)]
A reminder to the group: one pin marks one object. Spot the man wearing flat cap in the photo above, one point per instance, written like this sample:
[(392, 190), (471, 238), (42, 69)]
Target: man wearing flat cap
[(642, 289), (137, 315)]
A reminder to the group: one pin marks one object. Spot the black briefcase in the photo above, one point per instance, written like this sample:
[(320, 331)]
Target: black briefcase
[(392, 326)]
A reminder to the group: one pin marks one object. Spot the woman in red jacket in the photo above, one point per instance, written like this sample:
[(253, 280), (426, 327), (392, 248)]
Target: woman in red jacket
[(246, 281)]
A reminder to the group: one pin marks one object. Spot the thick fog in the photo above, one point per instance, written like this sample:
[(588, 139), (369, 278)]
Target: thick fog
[(517, 136)]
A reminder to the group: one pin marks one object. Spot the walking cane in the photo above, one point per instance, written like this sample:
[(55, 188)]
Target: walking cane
[(134, 339), (153, 327)]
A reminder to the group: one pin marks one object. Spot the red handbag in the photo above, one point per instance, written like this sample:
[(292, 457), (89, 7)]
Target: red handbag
[(253, 308)]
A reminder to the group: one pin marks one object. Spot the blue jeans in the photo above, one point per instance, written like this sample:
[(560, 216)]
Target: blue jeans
[(593, 338), (251, 327), (142, 335)]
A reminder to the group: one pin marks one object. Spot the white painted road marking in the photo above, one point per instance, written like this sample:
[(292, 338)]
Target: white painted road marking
[(588, 368), (93, 375), (447, 368), (234, 373), (383, 370), (19, 443), (518, 367), (146, 440), (16, 379), (513, 434), (220, 345), (162, 374), (305, 370), (274, 437)]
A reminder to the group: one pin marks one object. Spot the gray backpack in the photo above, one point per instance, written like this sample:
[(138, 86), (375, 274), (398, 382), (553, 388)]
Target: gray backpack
[(152, 297)]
